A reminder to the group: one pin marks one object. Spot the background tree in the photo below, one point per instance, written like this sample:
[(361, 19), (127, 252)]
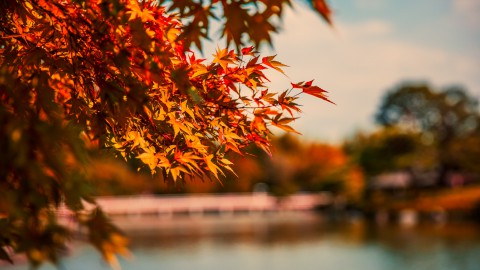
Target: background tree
[(79, 79), (445, 118)]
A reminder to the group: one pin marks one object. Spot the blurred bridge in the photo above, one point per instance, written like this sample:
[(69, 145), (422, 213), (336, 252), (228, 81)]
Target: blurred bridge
[(209, 203)]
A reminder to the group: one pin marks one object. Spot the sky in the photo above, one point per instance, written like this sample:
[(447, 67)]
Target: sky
[(374, 46)]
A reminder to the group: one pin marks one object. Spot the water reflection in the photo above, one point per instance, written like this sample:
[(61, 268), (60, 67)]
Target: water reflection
[(287, 241), (291, 229)]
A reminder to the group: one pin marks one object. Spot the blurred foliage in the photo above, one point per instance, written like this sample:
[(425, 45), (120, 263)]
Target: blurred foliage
[(298, 166), (447, 121), (387, 150)]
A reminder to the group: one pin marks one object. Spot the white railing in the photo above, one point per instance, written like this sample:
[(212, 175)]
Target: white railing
[(201, 203)]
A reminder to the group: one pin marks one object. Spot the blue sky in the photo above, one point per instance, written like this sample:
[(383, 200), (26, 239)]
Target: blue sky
[(374, 46)]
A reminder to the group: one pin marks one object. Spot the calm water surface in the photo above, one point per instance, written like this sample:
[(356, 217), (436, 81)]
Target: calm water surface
[(285, 241)]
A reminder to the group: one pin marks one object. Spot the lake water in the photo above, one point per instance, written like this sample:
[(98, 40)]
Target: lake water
[(299, 241)]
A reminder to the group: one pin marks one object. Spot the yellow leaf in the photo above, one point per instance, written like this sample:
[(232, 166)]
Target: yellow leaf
[(194, 142), (226, 161), (229, 135), (211, 166), (286, 128), (233, 146), (160, 115), (175, 124), (176, 172), (163, 162), (224, 57), (136, 12), (185, 108), (199, 70), (172, 34), (187, 159), (259, 124), (149, 157), (136, 138), (273, 64)]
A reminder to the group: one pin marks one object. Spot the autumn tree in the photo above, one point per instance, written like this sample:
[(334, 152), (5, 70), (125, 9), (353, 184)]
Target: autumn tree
[(83, 78)]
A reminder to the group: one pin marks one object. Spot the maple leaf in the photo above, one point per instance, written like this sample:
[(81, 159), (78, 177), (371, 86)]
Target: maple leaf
[(176, 172), (199, 70), (230, 139), (248, 51), (259, 124), (136, 138), (317, 92), (188, 159), (310, 89), (268, 97), (268, 60), (286, 103), (261, 142), (149, 157), (185, 109), (224, 57), (177, 125), (226, 164), (137, 12), (282, 123), (286, 128), (211, 166)]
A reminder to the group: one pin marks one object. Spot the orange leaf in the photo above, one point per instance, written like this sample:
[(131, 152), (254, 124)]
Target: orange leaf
[(317, 92), (268, 60), (211, 166), (224, 57), (285, 127), (248, 51)]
